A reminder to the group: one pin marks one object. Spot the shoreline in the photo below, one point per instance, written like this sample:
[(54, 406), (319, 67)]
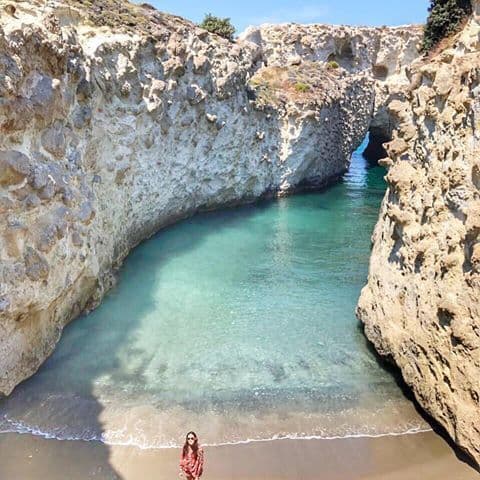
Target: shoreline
[(423, 455), (145, 428), (248, 441)]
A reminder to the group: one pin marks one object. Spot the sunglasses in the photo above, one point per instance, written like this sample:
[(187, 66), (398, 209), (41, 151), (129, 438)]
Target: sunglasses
[(190, 438)]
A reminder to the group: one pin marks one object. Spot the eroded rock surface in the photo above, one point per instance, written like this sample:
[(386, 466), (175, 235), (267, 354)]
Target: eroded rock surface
[(381, 53), (421, 304)]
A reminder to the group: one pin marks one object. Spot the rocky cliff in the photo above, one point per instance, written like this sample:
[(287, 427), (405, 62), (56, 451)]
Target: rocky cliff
[(381, 53), (420, 306), (116, 120)]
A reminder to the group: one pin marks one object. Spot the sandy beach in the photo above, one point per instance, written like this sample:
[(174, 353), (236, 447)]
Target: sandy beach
[(407, 457)]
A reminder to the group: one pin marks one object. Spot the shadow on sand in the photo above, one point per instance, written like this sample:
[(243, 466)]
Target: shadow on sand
[(60, 402)]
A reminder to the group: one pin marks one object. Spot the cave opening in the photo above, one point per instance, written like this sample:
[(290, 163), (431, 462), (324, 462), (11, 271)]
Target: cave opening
[(375, 149), (343, 55)]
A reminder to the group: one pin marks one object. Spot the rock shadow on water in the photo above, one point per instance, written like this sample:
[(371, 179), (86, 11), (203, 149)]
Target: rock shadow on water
[(42, 407)]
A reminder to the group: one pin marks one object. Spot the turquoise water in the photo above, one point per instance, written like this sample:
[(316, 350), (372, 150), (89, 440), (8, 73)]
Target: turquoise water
[(238, 324)]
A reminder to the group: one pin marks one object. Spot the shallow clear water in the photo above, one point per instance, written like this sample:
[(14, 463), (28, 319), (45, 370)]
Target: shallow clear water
[(238, 324)]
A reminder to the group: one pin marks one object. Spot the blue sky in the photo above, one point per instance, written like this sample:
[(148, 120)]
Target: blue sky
[(254, 12)]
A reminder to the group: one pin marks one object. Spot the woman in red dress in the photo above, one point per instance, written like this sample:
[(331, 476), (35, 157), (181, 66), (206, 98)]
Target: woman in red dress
[(191, 461)]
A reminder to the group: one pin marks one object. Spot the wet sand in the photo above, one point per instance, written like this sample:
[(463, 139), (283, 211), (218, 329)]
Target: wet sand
[(407, 457)]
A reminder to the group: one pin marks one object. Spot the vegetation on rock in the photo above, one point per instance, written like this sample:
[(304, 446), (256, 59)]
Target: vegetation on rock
[(219, 26), (310, 83), (113, 13), (302, 87), (445, 18)]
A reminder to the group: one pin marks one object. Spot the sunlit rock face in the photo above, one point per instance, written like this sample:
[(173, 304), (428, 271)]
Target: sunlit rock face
[(383, 54), (420, 306), (118, 121), (383, 51)]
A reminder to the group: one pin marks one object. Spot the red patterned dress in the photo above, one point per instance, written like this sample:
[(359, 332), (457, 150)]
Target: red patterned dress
[(192, 467)]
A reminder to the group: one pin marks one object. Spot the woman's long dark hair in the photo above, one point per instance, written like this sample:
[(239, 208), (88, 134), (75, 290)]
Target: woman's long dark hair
[(194, 446)]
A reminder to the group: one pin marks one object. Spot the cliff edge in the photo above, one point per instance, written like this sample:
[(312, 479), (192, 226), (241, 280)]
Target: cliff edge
[(420, 306)]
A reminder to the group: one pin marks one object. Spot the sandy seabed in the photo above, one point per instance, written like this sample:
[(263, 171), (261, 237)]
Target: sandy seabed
[(407, 457)]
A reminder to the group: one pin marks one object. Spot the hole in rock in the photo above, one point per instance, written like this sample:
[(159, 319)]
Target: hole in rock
[(343, 55), (375, 150), (476, 176), (419, 262), (395, 255), (429, 125), (346, 51), (445, 317), (380, 72)]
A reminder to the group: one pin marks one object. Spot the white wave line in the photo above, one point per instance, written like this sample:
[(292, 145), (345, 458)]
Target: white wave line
[(26, 430)]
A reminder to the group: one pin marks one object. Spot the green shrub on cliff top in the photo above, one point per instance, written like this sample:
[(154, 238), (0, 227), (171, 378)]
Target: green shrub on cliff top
[(332, 64), (301, 87), (444, 19), (220, 26)]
